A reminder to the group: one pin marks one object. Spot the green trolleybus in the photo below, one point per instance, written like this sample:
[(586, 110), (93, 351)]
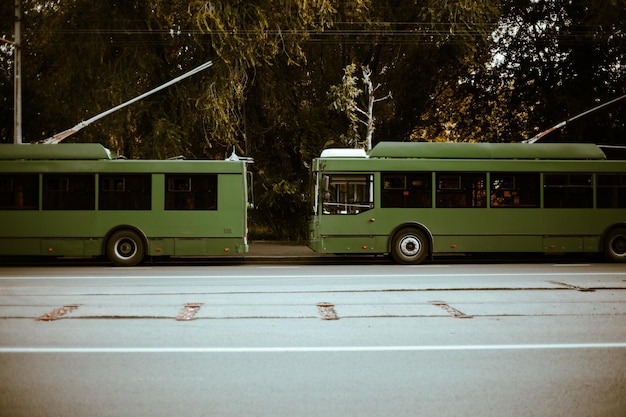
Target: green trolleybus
[(78, 200), (414, 200)]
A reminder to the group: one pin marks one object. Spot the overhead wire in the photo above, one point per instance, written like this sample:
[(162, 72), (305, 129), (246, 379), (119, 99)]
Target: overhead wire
[(407, 33)]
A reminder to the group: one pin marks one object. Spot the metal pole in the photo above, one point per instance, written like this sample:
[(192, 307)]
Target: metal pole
[(563, 123), (17, 64)]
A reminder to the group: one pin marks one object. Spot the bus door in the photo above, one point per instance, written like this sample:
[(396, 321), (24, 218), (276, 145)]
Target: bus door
[(345, 219)]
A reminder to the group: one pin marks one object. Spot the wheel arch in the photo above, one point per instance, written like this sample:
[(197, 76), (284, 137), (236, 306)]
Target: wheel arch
[(414, 225), (105, 241), (607, 231)]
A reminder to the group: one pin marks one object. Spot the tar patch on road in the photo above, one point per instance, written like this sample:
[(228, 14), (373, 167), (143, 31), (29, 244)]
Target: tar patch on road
[(188, 312), (327, 311), (57, 313), (451, 310), (571, 286)]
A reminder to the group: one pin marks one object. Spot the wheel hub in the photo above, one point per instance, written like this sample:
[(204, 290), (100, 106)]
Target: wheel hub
[(619, 245), (410, 246), (125, 248)]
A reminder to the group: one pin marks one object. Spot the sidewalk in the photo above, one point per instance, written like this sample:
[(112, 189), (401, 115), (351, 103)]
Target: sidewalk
[(279, 249)]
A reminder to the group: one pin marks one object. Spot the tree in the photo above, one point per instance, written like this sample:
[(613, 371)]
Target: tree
[(461, 70), (344, 97), (270, 95), (548, 61), (77, 64)]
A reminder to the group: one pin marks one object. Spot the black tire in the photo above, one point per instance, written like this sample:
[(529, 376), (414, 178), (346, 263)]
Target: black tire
[(125, 248), (410, 246), (615, 245)]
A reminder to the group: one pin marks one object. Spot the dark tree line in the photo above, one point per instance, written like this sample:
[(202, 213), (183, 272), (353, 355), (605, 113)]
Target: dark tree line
[(462, 70)]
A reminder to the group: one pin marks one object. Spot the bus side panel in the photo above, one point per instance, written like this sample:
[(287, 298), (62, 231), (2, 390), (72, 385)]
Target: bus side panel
[(563, 244), (80, 233), (19, 246), (478, 243), (191, 247), (71, 247), (207, 246), (218, 231), (336, 234), (209, 232), (53, 247), (203, 231), (62, 233), (516, 243), (520, 230), (592, 244), (467, 230), (160, 246), (348, 245)]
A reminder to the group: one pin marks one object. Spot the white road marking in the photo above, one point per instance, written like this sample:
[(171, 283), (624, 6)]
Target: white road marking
[(425, 266), (278, 267), (316, 276), (313, 349)]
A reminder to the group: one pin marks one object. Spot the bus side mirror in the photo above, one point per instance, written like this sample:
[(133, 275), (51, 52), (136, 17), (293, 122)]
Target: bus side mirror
[(326, 185)]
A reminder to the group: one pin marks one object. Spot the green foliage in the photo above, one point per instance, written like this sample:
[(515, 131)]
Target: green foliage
[(282, 209), (344, 98), (463, 70)]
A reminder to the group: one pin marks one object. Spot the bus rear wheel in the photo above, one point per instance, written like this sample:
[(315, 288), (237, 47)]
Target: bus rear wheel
[(409, 246), (125, 248), (615, 245)]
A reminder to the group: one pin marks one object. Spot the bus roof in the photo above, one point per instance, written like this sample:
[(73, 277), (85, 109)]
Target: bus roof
[(66, 151), (466, 150), (343, 153)]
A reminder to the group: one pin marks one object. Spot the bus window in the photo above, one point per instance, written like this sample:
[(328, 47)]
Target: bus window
[(191, 192), (406, 190), (19, 192), (348, 194), (514, 190), (250, 187), (125, 192), (568, 191), (461, 190), (69, 192), (611, 191)]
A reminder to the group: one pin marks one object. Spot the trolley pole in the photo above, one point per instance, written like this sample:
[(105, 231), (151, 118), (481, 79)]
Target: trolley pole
[(58, 137), (17, 69), (564, 122)]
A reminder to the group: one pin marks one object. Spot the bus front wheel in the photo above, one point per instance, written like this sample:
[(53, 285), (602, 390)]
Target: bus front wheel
[(125, 248), (409, 246), (615, 245)]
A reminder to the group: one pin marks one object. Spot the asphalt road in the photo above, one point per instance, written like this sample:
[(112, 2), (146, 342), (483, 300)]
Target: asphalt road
[(311, 340)]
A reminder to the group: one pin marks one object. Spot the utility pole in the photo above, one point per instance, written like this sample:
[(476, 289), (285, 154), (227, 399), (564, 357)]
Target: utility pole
[(17, 68)]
